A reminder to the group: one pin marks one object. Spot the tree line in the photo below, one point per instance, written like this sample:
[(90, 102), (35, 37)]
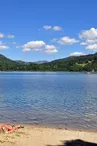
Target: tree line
[(86, 63)]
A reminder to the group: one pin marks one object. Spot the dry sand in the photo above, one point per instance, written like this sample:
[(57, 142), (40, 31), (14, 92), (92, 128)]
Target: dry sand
[(39, 136)]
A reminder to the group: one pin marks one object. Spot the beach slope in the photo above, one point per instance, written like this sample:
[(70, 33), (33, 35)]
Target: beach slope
[(39, 136)]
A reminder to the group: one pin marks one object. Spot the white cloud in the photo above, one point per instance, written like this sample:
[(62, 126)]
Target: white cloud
[(90, 37), (88, 34), (77, 54), (47, 27), (13, 43), (87, 42), (50, 49), (1, 35), (33, 46), (91, 41), (83, 43), (54, 28), (38, 46), (11, 36), (57, 28), (92, 47), (10, 43), (26, 49), (67, 41), (7, 43), (2, 47), (54, 40)]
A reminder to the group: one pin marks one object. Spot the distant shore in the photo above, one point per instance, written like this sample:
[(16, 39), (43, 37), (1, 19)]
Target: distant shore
[(43, 136), (83, 72)]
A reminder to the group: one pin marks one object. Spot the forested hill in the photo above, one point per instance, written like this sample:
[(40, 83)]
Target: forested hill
[(81, 63)]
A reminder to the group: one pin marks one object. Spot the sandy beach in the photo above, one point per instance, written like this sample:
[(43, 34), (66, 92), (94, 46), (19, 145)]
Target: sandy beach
[(42, 136)]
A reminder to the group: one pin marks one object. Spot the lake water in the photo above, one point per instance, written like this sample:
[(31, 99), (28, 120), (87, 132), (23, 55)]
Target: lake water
[(54, 99)]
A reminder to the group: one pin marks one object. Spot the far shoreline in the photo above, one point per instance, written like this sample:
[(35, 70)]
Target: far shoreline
[(83, 72)]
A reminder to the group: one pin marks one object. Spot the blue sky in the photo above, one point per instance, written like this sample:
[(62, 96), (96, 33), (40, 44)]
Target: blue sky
[(34, 30)]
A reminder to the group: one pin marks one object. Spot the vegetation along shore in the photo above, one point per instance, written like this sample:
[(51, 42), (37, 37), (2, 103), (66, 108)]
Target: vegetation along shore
[(85, 63)]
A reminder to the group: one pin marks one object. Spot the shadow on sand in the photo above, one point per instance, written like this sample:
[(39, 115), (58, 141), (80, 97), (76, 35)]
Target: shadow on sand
[(77, 142)]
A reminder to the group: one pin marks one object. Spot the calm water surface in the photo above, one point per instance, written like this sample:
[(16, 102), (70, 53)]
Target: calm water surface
[(49, 99)]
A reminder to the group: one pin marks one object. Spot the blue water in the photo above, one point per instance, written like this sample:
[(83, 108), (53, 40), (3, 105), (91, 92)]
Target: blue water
[(49, 98)]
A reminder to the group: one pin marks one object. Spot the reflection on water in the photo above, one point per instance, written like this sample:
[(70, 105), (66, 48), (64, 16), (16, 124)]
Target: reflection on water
[(51, 99)]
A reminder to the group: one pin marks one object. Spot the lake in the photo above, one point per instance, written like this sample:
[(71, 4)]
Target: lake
[(55, 99)]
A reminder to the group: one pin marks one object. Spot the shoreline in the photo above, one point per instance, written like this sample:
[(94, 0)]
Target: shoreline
[(60, 128), (43, 136), (28, 71), (52, 126)]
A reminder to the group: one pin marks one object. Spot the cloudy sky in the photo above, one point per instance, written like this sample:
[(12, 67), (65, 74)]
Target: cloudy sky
[(33, 30)]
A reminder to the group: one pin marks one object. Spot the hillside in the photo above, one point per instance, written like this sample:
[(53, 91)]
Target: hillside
[(6, 64), (81, 63)]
